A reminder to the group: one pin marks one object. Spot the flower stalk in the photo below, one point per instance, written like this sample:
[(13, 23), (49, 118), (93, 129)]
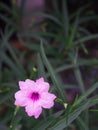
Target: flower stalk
[(12, 127)]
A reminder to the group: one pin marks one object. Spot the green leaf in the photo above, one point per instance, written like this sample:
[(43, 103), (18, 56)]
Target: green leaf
[(84, 39), (41, 69), (80, 62), (56, 8), (79, 79), (52, 74), (7, 45), (88, 18), (5, 7), (44, 15), (87, 93), (73, 31), (7, 20), (82, 124), (10, 63), (5, 96), (22, 7), (42, 125), (65, 18), (67, 119)]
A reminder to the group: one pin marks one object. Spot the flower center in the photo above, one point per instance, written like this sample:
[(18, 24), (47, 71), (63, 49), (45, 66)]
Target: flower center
[(35, 96)]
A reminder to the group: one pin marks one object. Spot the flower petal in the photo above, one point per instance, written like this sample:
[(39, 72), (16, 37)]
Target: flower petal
[(21, 85), (47, 100), (21, 99), (27, 84), (33, 109), (42, 86), (40, 80)]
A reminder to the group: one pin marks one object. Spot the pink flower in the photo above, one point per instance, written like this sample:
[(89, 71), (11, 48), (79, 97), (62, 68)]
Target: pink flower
[(34, 96)]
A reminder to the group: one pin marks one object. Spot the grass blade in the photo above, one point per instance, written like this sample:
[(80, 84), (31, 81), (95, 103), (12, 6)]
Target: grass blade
[(52, 74), (87, 38), (88, 92)]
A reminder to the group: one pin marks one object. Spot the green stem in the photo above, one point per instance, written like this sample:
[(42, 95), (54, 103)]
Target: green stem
[(12, 127), (80, 82)]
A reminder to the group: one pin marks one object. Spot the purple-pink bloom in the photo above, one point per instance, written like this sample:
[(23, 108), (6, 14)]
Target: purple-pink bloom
[(34, 96)]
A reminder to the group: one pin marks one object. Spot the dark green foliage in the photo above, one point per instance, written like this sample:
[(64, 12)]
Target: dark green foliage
[(60, 53)]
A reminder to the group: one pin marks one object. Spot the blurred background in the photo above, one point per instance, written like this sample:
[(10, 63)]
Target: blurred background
[(68, 30)]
